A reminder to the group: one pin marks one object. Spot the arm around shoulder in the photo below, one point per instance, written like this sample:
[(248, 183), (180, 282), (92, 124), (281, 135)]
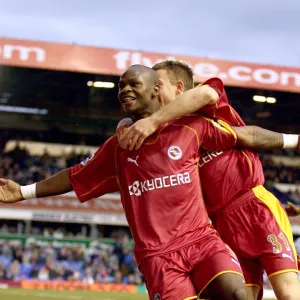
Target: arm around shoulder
[(186, 103)]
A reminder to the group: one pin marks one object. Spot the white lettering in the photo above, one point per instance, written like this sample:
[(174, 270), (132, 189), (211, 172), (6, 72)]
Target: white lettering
[(239, 73), (136, 58), (173, 180), (164, 181), (147, 62), (216, 153), (23, 52), (180, 179), (266, 76), (121, 60), (236, 73), (206, 70), (285, 78), (200, 164), (151, 184), (126, 58), (208, 156), (206, 159), (137, 188), (187, 178), (158, 183), (143, 186)]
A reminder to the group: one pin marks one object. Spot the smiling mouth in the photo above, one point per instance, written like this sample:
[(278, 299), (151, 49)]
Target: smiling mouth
[(128, 99)]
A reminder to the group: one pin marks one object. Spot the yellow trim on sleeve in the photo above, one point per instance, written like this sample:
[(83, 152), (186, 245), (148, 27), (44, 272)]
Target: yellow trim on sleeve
[(222, 126), (227, 126)]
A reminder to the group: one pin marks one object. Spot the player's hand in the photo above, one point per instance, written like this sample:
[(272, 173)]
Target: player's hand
[(137, 133), (10, 191), (122, 127), (292, 210)]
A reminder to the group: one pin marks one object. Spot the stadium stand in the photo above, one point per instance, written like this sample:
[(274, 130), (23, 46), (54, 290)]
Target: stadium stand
[(98, 262)]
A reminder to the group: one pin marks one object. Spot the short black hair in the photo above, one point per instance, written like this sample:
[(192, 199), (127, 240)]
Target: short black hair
[(152, 75)]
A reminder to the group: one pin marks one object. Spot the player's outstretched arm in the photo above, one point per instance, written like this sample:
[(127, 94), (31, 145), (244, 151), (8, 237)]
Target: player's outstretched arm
[(57, 184), (186, 103), (258, 138), (292, 210)]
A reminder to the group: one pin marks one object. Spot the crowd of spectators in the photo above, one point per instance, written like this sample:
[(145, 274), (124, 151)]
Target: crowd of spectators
[(97, 263), (43, 229), (20, 166), (23, 168), (279, 173)]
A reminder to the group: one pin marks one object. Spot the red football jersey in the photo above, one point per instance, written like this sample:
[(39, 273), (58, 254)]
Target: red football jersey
[(159, 183), (226, 175)]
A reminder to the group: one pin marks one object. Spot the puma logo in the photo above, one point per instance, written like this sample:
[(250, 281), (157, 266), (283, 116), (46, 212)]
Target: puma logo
[(288, 256), (133, 160), (235, 261)]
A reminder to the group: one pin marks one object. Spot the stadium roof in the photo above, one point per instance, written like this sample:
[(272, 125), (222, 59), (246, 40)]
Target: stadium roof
[(42, 90)]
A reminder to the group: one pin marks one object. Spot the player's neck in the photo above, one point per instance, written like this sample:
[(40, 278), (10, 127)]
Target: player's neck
[(147, 112), (142, 115)]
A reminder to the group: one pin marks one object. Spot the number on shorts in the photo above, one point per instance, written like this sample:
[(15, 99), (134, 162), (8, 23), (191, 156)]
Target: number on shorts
[(277, 247), (285, 241)]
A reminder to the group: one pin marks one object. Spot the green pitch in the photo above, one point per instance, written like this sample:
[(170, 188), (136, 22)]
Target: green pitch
[(20, 294)]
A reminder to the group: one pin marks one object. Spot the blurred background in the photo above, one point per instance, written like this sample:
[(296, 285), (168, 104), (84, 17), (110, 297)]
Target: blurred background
[(59, 67)]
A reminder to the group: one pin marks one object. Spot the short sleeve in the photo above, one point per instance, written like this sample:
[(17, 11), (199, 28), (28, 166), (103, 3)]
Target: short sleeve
[(216, 84), (96, 175), (221, 110), (216, 135)]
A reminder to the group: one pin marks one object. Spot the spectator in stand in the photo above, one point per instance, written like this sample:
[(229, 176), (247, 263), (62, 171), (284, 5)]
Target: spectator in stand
[(295, 195), (14, 271), (21, 167), (3, 275)]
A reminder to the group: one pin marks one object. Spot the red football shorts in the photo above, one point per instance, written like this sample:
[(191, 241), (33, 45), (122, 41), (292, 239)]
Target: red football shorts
[(258, 230), (177, 275)]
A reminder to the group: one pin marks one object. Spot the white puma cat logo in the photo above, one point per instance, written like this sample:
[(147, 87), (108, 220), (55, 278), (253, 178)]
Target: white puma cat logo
[(133, 160), (288, 256)]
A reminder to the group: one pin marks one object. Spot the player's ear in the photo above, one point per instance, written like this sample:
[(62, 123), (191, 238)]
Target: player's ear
[(179, 87), (155, 91)]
